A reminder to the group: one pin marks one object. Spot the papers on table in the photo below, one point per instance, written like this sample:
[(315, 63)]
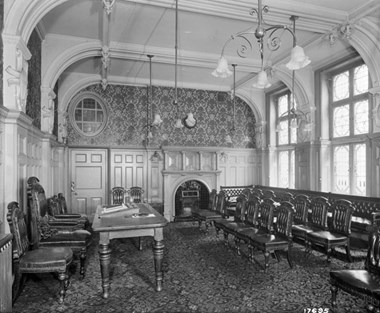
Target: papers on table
[(125, 208)]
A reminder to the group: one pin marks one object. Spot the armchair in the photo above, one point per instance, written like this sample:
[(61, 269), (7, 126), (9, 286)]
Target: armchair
[(46, 235), (39, 260)]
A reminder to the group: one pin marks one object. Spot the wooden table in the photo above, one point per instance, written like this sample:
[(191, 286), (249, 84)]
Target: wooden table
[(123, 225)]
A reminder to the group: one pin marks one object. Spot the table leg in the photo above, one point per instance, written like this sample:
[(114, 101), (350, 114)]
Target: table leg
[(105, 260), (158, 254)]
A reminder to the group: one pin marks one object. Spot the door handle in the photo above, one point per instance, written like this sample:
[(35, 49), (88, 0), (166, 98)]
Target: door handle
[(72, 187)]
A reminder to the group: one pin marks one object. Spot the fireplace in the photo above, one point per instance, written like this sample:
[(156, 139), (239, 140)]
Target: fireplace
[(190, 196), (182, 165)]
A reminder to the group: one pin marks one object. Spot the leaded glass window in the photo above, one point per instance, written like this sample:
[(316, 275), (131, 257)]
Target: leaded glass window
[(349, 121), (286, 169), (286, 132), (88, 114)]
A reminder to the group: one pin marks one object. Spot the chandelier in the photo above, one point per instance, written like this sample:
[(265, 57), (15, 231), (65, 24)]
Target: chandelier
[(298, 59)]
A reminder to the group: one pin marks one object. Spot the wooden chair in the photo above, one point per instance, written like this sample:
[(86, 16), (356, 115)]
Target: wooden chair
[(135, 194), (51, 236), (64, 221), (38, 260), (301, 205), (362, 283), (338, 233), (264, 223), (230, 227), (250, 222), (317, 219), (118, 194), (269, 194), (280, 240), (57, 208), (214, 213)]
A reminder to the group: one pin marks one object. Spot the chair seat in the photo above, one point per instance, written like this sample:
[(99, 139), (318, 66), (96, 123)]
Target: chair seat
[(247, 233), (46, 260), (359, 280), (269, 241), (207, 214), (80, 239), (326, 237)]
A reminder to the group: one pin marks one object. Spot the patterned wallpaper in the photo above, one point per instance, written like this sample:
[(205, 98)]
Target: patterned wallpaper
[(33, 102), (127, 108), (1, 51)]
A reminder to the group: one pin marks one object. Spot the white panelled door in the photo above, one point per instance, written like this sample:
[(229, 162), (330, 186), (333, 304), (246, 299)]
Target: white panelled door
[(88, 180)]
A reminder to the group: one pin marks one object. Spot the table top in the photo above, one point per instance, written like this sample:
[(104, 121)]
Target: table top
[(122, 220)]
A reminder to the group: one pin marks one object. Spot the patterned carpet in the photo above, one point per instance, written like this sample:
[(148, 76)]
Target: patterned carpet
[(201, 275)]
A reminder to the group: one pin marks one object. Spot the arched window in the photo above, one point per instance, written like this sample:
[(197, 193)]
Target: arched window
[(88, 114)]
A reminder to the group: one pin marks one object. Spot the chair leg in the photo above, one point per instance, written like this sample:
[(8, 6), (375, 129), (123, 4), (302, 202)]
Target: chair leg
[(62, 290), (334, 291), (289, 256), (266, 254), (140, 244), (83, 256), (225, 234), (348, 253), (237, 244)]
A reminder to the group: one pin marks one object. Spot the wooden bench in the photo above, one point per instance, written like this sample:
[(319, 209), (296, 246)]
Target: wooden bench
[(232, 192), (362, 218)]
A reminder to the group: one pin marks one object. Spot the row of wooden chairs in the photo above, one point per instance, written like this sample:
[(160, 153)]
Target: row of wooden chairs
[(46, 237), (254, 225)]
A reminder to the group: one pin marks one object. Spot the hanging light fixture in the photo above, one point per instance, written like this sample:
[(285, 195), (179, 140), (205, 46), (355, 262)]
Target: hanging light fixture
[(157, 118), (178, 123), (232, 131), (150, 108), (298, 58), (295, 115)]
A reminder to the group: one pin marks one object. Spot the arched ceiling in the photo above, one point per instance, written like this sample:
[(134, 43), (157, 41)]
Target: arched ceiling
[(134, 29)]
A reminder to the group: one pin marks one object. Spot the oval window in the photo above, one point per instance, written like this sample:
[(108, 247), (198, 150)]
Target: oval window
[(88, 114)]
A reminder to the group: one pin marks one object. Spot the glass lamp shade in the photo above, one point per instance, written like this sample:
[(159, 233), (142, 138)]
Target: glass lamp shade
[(228, 139), (298, 59), (222, 69), (178, 123), (157, 120), (150, 135), (262, 81)]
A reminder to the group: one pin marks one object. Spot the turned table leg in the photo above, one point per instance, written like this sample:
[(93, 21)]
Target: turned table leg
[(158, 254), (105, 260)]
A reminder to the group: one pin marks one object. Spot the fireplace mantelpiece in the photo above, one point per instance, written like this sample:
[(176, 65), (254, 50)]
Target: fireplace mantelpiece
[(183, 164)]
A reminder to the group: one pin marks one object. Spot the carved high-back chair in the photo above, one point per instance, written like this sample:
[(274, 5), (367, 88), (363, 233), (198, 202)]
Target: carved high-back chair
[(135, 194), (362, 283), (38, 260), (301, 205), (230, 227), (78, 240), (338, 233), (118, 194), (214, 213), (280, 239), (316, 220)]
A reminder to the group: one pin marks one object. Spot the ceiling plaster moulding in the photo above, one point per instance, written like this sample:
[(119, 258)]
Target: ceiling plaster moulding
[(364, 10), (280, 12), (166, 56), (128, 81)]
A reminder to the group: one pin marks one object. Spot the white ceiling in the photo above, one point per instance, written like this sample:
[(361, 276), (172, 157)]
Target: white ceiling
[(141, 27)]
